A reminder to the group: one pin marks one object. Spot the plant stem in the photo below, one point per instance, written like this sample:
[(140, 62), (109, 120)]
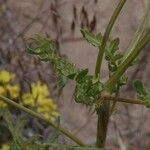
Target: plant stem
[(102, 124), (114, 102), (143, 26), (106, 36), (121, 99), (123, 67), (103, 115), (38, 116)]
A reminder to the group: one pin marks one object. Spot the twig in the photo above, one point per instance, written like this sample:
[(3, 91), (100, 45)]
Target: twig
[(36, 115), (120, 99)]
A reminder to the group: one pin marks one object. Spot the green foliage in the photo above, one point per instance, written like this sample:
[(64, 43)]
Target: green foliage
[(45, 50), (87, 88), (95, 40), (112, 56), (33, 143), (15, 130), (143, 94)]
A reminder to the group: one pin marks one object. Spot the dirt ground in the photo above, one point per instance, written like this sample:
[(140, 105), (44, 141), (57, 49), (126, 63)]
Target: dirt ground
[(129, 126)]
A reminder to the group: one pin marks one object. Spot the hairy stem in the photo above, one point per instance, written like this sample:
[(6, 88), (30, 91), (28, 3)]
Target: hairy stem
[(103, 115), (102, 124), (38, 116)]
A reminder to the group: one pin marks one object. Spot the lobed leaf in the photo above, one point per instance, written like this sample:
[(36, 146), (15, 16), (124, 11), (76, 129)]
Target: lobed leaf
[(143, 94), (139, 87), (87, 87), (95, 40)]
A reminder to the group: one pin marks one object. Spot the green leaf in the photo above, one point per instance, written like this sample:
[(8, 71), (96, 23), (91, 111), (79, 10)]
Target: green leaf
[(139, 87), (95, 40), (81, 75), (114, 45), (44, 49), (87, 92), (142, 92), (135, 62), (62, 82)]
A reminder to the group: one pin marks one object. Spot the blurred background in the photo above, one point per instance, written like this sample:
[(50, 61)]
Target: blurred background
[(62, 20)]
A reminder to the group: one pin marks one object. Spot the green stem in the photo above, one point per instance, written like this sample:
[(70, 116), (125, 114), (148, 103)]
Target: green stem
[(143, 26), (103, 115), (36, 115), (106, 36), (123, 67)]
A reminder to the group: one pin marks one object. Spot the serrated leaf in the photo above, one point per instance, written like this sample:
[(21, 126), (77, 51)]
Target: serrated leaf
[(40, 46), (44, 49), (114, 45), (139, 87), (95, 40), (86, 92), (81, 74)]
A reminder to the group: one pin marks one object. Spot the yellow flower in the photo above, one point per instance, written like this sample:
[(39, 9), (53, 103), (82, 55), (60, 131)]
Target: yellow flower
[(5, 147), (49, 117), (13, 90), (6, 77), (39, 89), (48, 108), (39, 98), (2, 90), (28, 100)]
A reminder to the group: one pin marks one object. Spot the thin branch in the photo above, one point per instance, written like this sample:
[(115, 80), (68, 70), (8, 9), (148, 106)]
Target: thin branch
[(120, 99), (38, 116)]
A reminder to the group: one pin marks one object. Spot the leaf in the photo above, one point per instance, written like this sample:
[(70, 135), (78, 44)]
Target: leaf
[(112, 56), (95, 40), (114, 45), (135, 62), (87, 89), (81, 75), (142, 92), (62, 82), (139, 87), (44, 49), (86, 92)]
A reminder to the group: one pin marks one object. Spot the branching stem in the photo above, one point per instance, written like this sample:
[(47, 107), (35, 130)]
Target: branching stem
[(123, 67), (103, 116)]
